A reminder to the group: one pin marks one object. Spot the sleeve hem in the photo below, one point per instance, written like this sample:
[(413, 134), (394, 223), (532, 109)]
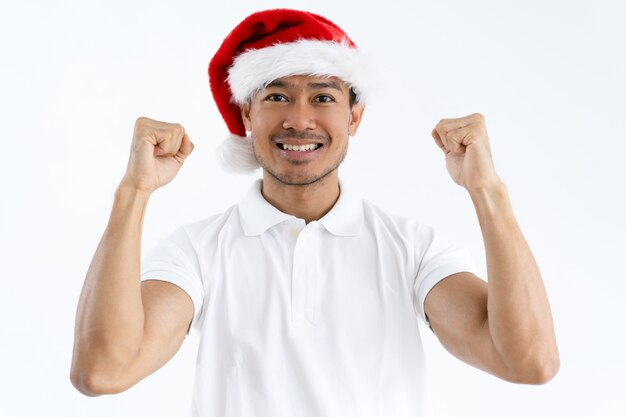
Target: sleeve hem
[(434, 277), (183, 284)]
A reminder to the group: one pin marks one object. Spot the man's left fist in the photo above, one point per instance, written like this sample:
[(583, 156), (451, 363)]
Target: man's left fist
[(466, 146)]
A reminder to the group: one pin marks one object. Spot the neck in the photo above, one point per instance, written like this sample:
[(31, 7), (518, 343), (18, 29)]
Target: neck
[(309, 202)]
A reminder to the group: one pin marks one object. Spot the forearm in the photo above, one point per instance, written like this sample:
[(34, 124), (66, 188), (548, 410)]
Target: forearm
[(519, 316), (110, 316)]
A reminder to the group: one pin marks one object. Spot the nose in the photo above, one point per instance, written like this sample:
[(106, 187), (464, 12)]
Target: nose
[(299, 116)]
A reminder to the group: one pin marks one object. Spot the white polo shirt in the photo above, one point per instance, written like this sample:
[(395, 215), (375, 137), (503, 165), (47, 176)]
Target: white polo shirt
[(315, 319)]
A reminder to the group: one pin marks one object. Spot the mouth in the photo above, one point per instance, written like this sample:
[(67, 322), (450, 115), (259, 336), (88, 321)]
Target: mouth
[(299, 148)]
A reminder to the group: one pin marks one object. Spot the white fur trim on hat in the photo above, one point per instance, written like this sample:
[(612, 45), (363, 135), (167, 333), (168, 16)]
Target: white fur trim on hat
[(255, 68), (236, 155)]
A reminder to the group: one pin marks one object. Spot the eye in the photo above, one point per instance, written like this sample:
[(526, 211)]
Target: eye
[(323, 98), (276, 98)]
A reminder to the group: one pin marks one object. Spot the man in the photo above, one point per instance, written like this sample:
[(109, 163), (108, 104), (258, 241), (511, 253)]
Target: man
[(305, 295)]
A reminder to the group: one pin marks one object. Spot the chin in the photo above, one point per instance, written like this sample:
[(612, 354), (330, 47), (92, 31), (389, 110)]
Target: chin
[(299, 178)]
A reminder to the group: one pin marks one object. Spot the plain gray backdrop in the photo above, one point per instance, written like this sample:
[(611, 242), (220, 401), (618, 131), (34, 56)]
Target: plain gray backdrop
[(548, 76)]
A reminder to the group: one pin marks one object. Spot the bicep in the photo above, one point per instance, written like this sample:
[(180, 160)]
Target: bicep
[(168, 312), (456, 308)]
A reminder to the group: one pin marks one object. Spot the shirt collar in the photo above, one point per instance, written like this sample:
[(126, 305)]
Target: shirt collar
[(257, 215), (346, 216)]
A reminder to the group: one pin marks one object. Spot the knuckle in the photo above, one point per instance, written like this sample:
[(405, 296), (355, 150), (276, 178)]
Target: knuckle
[(178, 128), (445, 126)]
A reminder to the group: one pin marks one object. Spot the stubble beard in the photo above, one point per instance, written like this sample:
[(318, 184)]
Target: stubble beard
[(301, 181)]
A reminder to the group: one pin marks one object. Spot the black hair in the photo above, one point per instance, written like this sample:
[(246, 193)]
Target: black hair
[(352, 97)]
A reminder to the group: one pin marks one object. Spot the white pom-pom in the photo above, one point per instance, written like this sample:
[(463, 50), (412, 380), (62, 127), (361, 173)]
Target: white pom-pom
[(235, 155)]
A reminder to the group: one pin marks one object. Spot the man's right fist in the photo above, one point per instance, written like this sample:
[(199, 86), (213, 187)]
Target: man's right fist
[(157, 152)]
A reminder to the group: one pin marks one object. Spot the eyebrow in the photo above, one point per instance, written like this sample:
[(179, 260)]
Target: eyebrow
[(311, 86)]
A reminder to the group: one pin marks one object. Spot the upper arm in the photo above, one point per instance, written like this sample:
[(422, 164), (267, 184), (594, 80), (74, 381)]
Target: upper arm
[(168, 312), (456, 308)]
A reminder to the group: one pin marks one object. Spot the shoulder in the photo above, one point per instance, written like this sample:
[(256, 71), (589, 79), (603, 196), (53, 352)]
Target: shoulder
[(207, 229), (408, 227), (214, 221)]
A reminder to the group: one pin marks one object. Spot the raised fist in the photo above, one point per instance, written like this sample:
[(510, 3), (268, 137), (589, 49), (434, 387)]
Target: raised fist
[(465, 143), (157, 152)]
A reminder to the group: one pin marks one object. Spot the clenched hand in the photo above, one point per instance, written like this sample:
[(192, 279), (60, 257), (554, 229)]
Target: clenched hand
[(157, 152), (468, 156)]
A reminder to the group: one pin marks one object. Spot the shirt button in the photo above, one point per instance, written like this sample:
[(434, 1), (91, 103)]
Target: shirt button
[(295, 232)]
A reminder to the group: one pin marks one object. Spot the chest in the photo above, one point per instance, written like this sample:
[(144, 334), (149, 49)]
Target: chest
[(305, 276)]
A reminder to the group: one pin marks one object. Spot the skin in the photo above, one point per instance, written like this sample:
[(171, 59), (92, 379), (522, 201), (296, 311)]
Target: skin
[(503, 326), (125, 329), (300, 110)]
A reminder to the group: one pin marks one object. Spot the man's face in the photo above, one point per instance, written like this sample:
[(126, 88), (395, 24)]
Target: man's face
[(300, 127)]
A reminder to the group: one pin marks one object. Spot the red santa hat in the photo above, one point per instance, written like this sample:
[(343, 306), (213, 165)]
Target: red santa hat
[(268, 45)]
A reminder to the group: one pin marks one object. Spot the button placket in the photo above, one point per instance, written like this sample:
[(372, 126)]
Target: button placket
[(312, 273), (297, 273), (304, 278)]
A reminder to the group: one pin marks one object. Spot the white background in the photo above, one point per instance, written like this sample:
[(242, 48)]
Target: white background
[(548, 76)]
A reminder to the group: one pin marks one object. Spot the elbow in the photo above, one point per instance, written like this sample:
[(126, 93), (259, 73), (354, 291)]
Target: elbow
[(84, 383), (96, 371), (548, 371), (538, 373), (541, 375), (93, 384)]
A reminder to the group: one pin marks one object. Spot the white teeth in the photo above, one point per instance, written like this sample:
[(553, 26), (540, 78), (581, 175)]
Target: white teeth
[(299, 148)]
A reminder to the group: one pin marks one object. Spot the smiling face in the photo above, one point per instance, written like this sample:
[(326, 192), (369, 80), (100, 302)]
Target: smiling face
[(300, 127)]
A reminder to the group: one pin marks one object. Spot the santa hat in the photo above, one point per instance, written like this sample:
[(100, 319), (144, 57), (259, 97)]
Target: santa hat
[(272, 44)]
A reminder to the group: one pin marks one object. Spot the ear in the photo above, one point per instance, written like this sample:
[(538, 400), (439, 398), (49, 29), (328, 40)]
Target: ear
[(356, 114), (245, 116)]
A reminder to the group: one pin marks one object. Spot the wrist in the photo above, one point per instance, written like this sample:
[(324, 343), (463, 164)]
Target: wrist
[(126, 190), (489, 196)]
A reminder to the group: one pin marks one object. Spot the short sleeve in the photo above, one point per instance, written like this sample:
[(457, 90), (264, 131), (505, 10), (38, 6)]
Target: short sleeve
[(436, 259), (173, 259)]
